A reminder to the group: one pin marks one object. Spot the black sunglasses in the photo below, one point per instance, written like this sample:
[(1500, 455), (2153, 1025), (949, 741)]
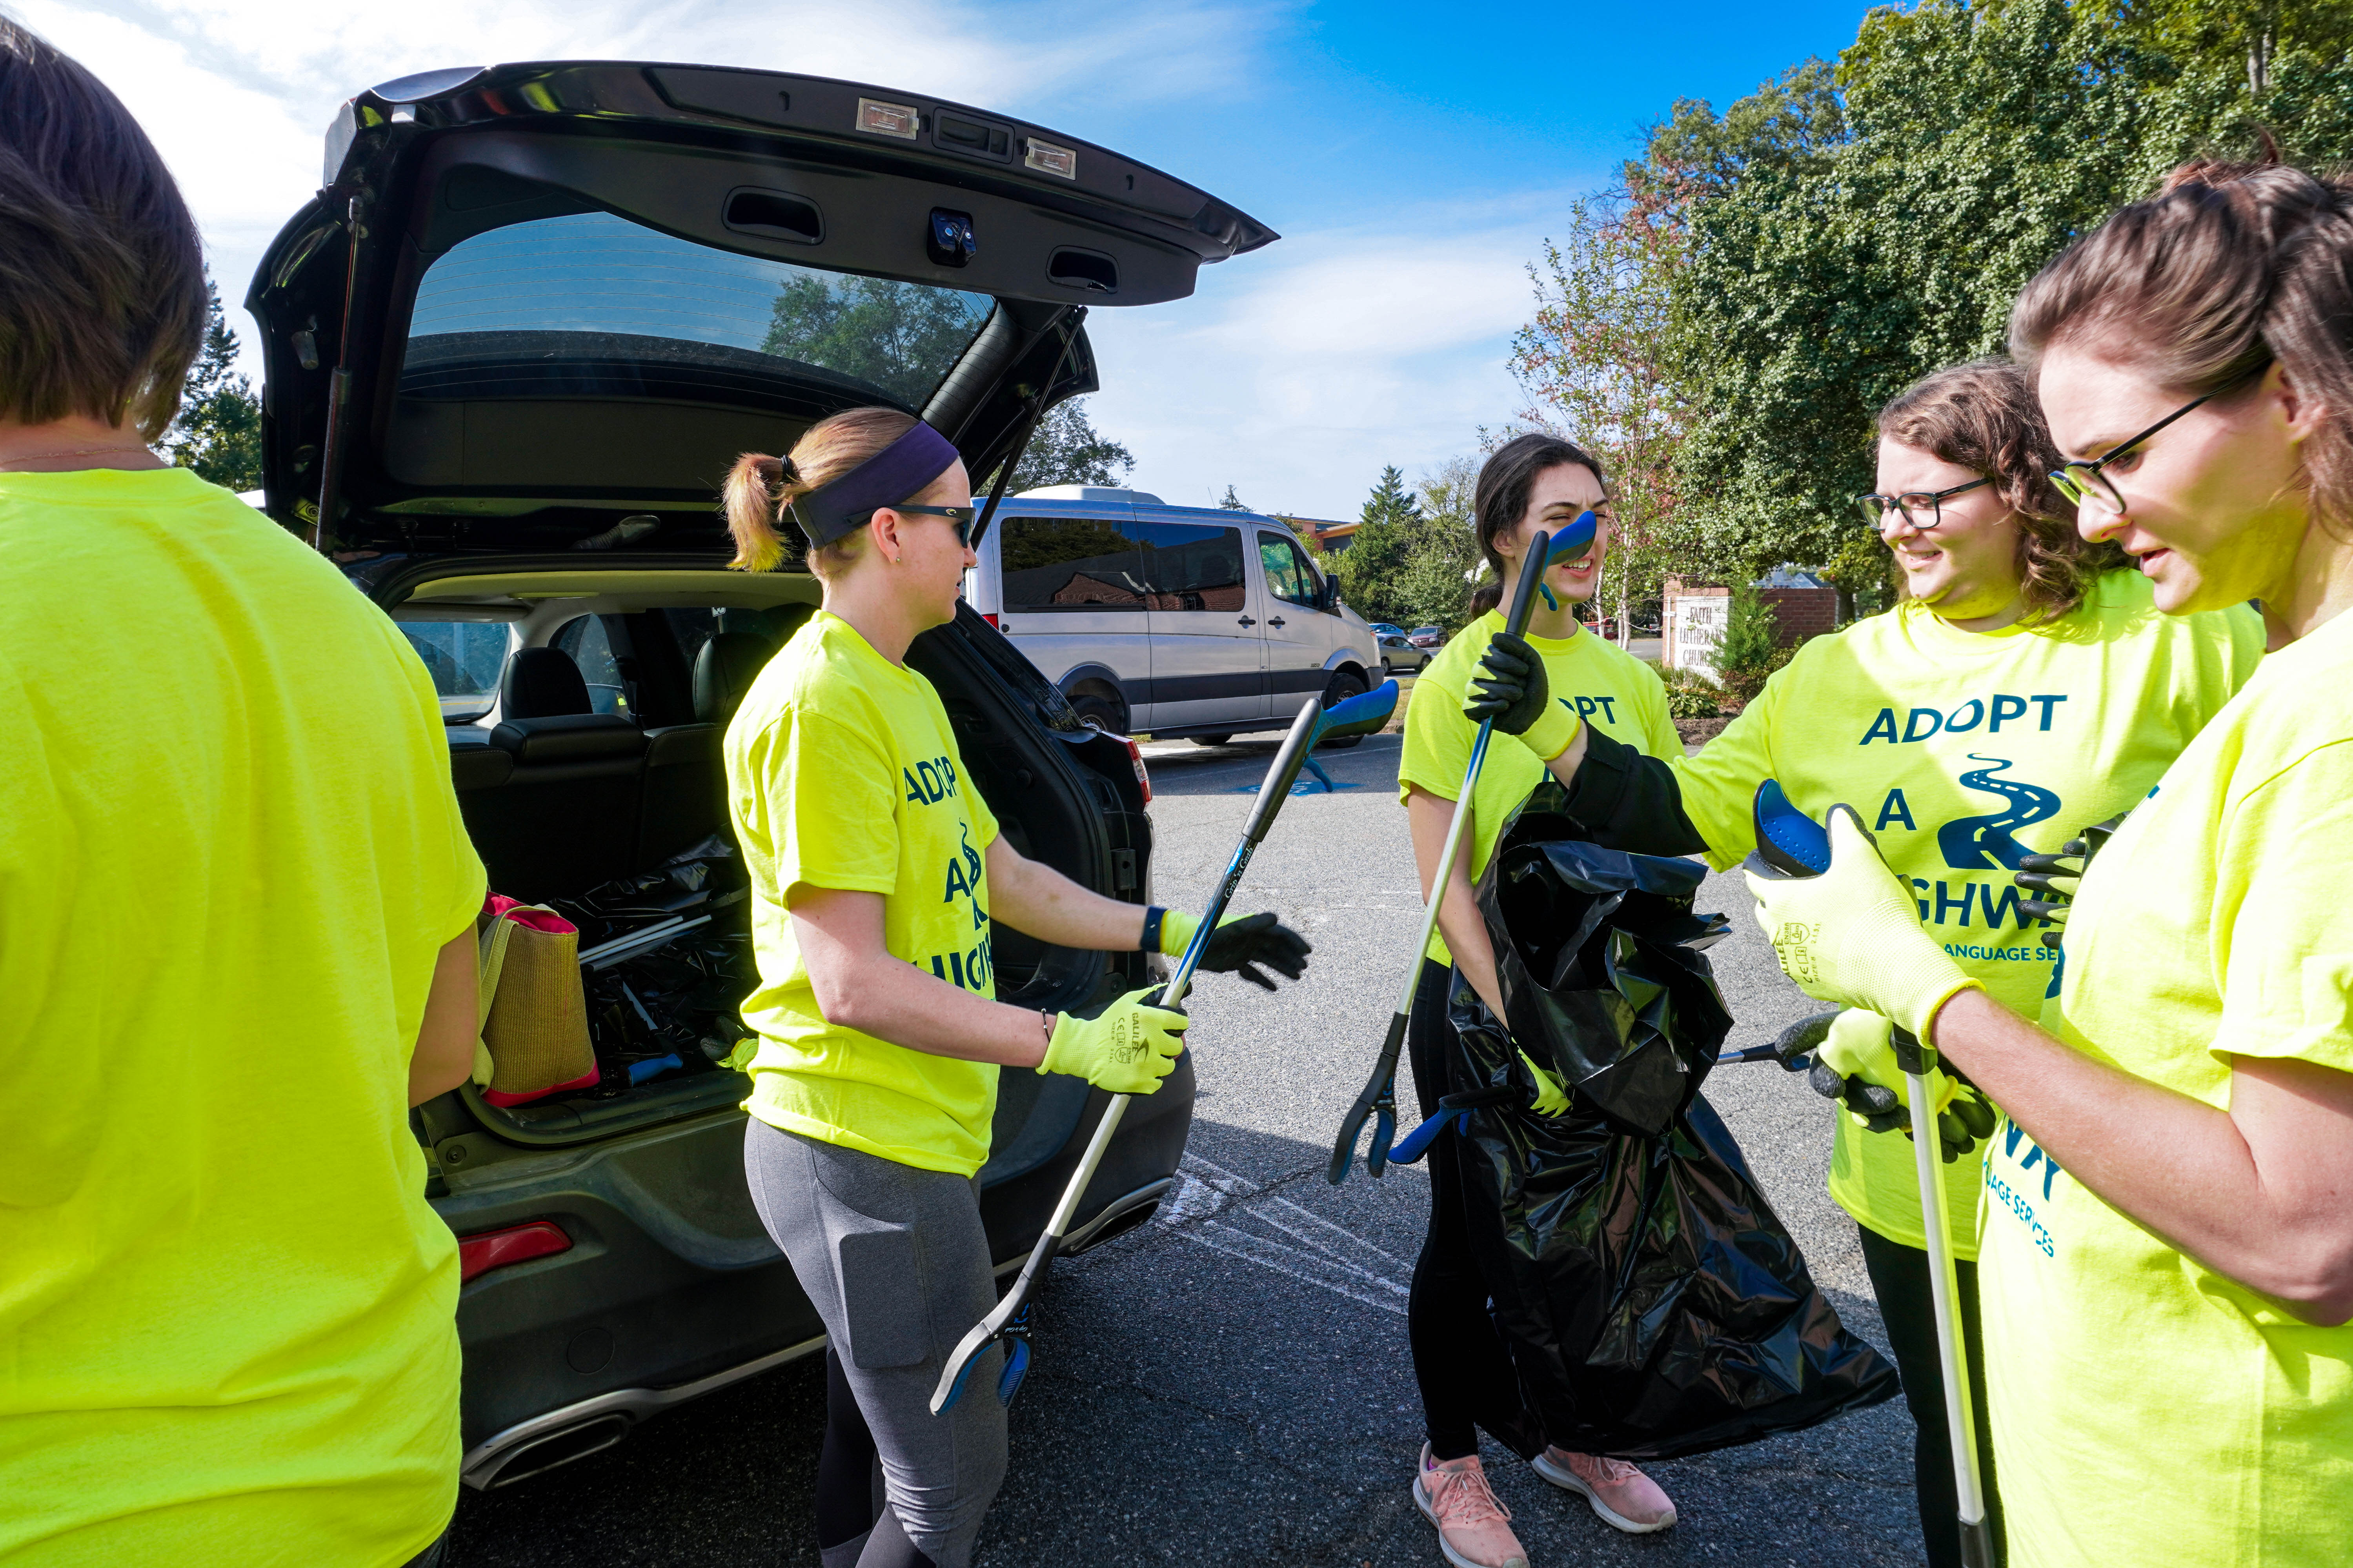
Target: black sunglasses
[(2078, 491), (1875, 506), (962, 516)]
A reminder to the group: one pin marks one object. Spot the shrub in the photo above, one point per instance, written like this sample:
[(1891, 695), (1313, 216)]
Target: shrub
[(1692, 703)]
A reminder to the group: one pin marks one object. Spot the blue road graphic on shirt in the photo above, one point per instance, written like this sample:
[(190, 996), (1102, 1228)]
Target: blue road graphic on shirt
[(1984, 843)]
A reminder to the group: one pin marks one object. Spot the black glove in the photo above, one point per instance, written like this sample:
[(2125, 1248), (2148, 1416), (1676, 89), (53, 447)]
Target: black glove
[(1237, 946), (1961, 1126), (1508, 687), (2054, 879)]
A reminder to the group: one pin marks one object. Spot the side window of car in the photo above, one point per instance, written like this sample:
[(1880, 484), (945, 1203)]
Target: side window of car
[(1288, 575), (583, 640), (1194, 566), (464, 658), (1070, 563)]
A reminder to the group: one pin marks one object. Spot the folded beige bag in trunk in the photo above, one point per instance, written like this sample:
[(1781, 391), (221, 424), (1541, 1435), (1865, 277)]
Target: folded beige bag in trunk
[(535, 1017)]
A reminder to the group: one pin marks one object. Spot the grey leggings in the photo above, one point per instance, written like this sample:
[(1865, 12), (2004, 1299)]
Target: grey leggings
[(896, 1263)]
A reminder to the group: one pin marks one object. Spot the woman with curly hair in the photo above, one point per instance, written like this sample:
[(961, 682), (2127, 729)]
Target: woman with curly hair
[(2025, 688)]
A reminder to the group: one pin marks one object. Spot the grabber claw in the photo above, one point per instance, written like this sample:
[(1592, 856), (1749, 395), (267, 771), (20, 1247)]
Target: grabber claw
[(1013, 1332)]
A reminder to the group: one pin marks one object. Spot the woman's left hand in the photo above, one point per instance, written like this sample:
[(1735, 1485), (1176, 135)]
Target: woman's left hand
[(1240, 945), (1852, 935)]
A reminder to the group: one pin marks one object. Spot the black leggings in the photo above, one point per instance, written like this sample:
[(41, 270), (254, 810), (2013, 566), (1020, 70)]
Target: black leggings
[(1464, 1369), (1899, 1278), (854, 1528)]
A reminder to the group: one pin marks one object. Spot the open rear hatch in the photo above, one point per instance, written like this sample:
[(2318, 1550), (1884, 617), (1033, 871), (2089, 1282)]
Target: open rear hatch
[(581, 288)]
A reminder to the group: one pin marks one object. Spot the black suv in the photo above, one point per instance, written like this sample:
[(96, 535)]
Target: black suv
[(511, 349)]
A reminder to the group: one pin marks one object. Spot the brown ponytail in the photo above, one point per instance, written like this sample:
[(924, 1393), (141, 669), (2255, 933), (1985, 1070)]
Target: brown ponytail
[(1500, 501), (760, 490), (2231, 267)]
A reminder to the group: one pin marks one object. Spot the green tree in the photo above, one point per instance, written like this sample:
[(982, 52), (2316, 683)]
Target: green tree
[(1067, 449), (1391, 500), (1232, 502), (898, 338), (1751, 639), (1852, 230), (217, 432), (1407, 561)]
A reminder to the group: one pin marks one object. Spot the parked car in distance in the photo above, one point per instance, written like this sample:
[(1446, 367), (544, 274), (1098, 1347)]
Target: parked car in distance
[(581, 288), (1399, 654), (1383, 629), (1427, 637), (1178, 621)]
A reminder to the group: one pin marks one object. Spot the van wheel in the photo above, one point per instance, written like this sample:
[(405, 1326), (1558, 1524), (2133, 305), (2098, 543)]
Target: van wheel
[(1210, 740), (1101, 711), (1344, 686)]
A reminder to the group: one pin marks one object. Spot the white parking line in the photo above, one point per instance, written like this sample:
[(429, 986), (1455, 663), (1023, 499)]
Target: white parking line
[(1209, 1209)]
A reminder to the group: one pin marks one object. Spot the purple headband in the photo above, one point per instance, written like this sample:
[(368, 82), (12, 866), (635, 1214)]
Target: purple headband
[(899, 470)]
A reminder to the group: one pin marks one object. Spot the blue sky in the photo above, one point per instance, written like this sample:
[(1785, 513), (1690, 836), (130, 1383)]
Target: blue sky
[(1414, 158)]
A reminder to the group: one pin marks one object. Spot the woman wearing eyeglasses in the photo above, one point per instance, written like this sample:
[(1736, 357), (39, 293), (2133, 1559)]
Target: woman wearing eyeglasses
[(2168, 1264), (2024, 690), (876, 869)]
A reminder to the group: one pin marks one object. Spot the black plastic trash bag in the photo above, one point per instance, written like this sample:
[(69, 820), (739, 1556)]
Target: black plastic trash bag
[(1654, 1304)]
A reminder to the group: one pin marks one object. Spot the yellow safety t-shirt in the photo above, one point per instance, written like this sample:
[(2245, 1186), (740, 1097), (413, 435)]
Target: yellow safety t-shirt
[(2146, 1409), (229, 852), (1963, 751), (842, 772), (1610, 689)]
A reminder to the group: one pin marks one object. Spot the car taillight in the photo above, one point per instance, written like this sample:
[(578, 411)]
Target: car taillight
[(517, 1244), (1143, 779), (989, 616)]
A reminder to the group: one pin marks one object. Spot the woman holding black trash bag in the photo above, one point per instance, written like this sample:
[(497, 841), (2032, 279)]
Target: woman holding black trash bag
[(2168, 1265), (2025, 688), (1535, 483), (875, 871)]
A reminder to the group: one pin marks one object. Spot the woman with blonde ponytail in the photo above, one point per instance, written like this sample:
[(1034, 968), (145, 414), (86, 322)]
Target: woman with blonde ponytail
[(876, 873)]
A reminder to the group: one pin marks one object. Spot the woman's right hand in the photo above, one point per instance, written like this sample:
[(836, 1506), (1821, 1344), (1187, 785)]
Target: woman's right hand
[(1127, 1048), (1510, 687)]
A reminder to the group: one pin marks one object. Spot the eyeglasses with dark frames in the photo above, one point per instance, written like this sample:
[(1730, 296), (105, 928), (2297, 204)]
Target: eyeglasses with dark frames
[(2075, 480), (962, 516), (1911, 504)]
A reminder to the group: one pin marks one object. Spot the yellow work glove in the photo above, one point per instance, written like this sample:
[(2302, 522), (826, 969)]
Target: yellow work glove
[(1551, 1099), (1127, 1048), (1852, 935), (1855, 1065)]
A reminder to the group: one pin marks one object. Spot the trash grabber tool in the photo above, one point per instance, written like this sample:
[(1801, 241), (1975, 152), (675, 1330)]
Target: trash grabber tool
[(1791, 844), (1359, 715), (1378, 1102)]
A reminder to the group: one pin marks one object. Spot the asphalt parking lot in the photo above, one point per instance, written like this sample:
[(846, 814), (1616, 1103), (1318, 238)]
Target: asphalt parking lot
[(1230, 1383)]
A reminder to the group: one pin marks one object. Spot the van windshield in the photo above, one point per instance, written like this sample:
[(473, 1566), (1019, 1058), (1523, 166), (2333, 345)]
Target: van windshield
[(590, 286)]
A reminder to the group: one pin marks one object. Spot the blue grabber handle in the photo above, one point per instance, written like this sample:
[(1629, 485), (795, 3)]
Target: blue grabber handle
[(1790, 845), (1010, 1322), (1568, 545), (1378, 1103)]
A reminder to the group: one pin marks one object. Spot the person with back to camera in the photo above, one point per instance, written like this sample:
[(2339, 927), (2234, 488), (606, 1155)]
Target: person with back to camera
[(237, 941), (876, 869), (2025, 688), (1462, 1363), (2167, 1266)]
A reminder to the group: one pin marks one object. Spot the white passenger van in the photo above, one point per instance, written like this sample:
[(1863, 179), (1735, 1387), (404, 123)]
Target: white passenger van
[(1172, 620)]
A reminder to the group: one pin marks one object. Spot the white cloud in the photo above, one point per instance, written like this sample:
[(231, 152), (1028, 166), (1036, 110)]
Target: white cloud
[(1297, 373)]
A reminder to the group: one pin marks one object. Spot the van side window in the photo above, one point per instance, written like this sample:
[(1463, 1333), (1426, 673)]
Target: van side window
[(1288, 575), (464, 658), (1070, 563), (1194, 566), (583, 640)]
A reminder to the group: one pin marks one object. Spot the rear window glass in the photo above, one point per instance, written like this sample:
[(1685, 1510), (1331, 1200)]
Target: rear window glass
[(464, 657), (1070, 564), (595, 276), (590, 647)]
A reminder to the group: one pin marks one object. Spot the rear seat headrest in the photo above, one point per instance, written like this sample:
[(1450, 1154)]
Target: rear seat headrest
[(568, 738), (724, 670), (542, 683)]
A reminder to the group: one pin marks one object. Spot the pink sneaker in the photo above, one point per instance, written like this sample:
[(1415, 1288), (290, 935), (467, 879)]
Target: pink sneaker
[(1472, 1528), (1622, 1495)]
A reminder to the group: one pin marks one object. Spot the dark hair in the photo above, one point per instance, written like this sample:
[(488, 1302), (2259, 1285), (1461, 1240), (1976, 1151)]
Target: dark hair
[(1983, 417), (103, 299), (1500, 501), (760, 487), (2228, 268)]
